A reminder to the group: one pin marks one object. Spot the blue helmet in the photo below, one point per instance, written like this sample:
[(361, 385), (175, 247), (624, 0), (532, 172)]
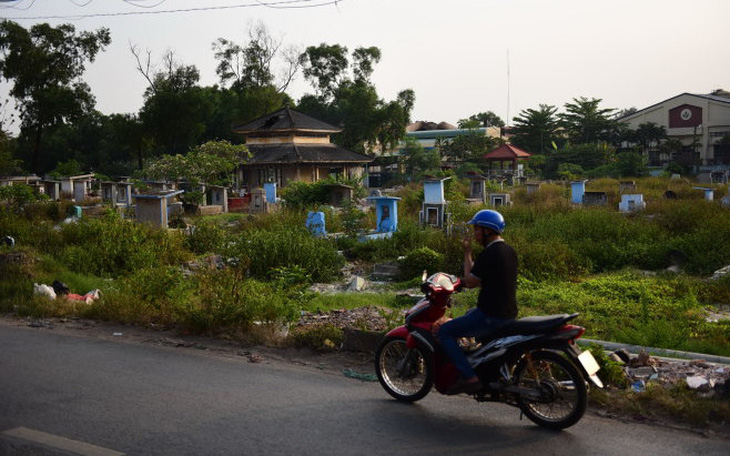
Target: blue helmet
[(488, 219)]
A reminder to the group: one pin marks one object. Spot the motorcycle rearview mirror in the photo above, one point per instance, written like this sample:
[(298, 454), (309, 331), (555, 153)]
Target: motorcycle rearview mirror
[(424, 276)]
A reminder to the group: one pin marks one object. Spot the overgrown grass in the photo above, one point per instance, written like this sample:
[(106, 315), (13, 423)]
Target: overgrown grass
[(561, 250), (663, 311)]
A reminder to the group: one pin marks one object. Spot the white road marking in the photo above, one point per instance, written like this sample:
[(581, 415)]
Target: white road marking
[(60, 443)]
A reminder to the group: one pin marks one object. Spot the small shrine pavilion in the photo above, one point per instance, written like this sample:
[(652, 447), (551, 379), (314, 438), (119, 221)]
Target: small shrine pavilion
[(506, 154)]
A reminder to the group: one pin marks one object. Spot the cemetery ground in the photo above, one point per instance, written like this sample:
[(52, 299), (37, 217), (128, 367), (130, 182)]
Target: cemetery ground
[(263, 287)]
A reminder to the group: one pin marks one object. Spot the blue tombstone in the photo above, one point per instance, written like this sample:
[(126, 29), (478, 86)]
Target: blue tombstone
[(386, 213), (315, 223), (270, 189), (578, 189), (433, 191)]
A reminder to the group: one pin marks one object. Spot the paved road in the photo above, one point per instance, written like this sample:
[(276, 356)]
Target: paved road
[(99, 397)]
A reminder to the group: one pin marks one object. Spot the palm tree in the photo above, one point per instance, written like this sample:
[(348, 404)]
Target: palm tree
[(534, 130), (585, 122)]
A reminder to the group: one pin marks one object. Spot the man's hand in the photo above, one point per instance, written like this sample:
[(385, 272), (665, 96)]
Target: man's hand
[(466, 242)]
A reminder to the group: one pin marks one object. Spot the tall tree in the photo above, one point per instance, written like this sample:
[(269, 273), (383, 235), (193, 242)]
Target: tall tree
[(586, 156), (254, 79), (350, 99), (45, 64), (535, 130), (469, 147), (253, 65), (482, 119), (8, 163), (395, 116), (175, 106), (585, 121), (417, 160), (649, 135), (325, 66)]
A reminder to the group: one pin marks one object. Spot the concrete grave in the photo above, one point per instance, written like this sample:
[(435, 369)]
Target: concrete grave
[(595, 199), (52, 188), (577, 189), (499, 199), (154, 208), (386, 213), (631, 203), (533, 188), (627, 187), (316, 223), (258, 203), (433, 211), (339, 193), (477, 188), (270, 190), (217, 196), (709, 193), (117, 193)]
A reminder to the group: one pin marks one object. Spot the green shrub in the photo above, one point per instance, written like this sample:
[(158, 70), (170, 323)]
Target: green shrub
[(539, 260), (288, 246), (226, 300), (17, 197), (207, 236), (419, 260), (353, 219), (112, 247), (149, 295)]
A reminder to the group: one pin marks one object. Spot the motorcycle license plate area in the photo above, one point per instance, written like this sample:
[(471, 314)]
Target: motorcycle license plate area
[(589, 362)]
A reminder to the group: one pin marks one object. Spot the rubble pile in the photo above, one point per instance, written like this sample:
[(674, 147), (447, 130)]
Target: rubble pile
[(710, 379), (369, 318)]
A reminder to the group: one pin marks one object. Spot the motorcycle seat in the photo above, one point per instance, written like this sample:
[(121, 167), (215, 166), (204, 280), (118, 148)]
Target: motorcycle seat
[(532, 325)]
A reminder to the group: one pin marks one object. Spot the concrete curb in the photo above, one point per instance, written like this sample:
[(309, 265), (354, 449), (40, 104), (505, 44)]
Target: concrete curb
[(662, 352), (368, 341)]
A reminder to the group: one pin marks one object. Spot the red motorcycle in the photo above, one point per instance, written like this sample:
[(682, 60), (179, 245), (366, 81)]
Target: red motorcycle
[(532, 363)]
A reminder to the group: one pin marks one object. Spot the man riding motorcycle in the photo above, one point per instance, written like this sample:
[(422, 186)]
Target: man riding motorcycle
[(495, 270)]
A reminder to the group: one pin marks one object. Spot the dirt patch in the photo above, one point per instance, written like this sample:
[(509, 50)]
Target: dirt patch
[(335, 362)]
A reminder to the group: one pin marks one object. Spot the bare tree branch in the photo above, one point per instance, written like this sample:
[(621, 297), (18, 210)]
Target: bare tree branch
[(144, 68)]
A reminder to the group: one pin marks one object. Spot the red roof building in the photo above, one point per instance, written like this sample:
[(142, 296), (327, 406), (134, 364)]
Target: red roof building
[(506, 153)]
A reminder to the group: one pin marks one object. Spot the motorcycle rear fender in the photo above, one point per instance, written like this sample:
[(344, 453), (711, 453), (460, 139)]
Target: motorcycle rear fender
[(572, 351)]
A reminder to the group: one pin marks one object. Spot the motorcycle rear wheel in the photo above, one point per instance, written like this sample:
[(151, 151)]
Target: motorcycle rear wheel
[(561, 387), (407, 376)]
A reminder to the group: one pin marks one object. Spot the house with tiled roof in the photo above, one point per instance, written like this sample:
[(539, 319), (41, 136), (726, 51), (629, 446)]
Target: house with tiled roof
[(287, 145)]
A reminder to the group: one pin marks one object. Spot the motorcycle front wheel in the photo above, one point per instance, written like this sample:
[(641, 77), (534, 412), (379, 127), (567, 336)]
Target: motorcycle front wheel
[(555, 392), (406, 374)]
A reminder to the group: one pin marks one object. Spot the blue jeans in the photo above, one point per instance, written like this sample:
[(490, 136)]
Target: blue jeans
[(472, 324)]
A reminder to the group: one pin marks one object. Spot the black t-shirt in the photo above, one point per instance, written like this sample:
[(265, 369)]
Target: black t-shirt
[(496, 267)]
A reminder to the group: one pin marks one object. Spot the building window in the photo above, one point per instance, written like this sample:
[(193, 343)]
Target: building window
[(722, 154), (685, 156)]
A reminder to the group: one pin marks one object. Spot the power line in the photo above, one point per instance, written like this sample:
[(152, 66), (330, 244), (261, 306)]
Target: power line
[(17, 7), (136, 4), (282, 4)]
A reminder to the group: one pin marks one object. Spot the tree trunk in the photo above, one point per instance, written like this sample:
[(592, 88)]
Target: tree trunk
[(35, 156)]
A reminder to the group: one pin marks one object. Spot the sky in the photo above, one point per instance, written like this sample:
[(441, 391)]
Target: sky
[(460, 57)]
